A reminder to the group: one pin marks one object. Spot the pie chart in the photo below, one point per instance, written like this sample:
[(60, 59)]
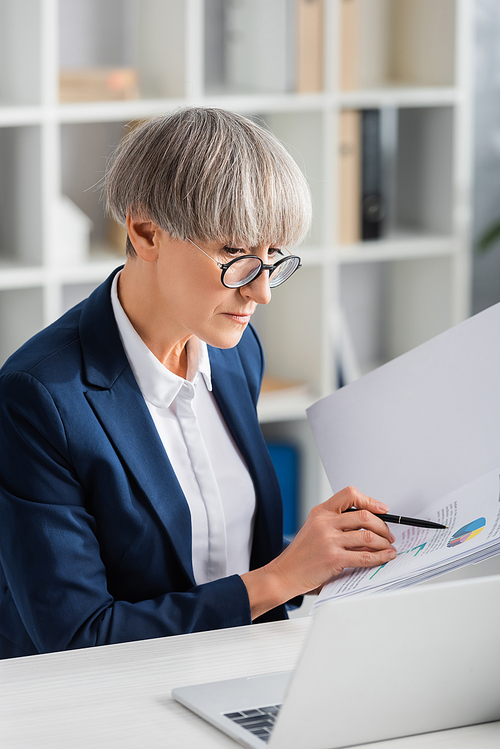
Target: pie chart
[(467, 532)]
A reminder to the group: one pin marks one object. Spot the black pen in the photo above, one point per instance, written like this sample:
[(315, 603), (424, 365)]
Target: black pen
[(402, 520)]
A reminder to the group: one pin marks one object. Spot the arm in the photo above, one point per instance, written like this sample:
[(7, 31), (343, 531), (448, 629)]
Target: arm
[(54, 551)]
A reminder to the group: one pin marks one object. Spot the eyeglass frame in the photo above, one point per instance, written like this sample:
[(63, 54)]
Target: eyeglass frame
[(263, 266)]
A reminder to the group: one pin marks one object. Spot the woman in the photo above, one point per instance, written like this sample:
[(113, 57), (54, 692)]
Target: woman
[(137, 496)]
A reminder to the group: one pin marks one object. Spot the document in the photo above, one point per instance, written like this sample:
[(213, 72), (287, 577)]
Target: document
[(422, 434), (472, 515)]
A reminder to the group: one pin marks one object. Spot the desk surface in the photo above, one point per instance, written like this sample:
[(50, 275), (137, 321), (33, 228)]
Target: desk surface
[(120, 695)]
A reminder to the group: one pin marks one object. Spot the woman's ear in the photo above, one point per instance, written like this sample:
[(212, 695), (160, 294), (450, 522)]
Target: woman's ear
[(144, 236)]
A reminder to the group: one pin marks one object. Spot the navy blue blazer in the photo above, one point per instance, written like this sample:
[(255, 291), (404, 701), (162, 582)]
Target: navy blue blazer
[(95, 532)]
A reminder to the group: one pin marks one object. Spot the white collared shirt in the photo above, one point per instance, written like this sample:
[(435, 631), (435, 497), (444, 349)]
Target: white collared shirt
[(210, 470)]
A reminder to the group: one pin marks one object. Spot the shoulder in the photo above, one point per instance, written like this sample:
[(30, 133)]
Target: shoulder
[(36, 377), (58, 352), (46, 350)]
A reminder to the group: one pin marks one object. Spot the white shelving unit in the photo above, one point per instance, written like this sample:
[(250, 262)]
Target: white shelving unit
[(392, 294)]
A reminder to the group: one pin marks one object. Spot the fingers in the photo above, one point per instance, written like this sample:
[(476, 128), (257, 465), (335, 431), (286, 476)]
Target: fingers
[(364, 518), (369, 559), (363, 548), (366, 539), (352, 497), (351, 521)]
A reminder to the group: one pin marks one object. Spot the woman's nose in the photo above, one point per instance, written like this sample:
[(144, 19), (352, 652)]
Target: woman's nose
[(258, 290)]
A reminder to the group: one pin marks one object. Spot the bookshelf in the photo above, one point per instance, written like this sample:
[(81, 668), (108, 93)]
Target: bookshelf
[(353, 305)]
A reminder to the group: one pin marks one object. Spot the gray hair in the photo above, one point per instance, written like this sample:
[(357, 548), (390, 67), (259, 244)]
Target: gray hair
[(211, 175)]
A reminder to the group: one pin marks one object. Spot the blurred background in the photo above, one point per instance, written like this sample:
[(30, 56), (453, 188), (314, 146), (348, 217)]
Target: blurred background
[(391, 108), (486, 152)]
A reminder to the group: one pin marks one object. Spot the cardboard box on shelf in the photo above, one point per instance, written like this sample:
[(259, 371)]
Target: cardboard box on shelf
[(98, 84)]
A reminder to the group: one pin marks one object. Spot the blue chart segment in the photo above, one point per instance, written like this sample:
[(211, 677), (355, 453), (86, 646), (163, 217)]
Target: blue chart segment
[(467, 532)]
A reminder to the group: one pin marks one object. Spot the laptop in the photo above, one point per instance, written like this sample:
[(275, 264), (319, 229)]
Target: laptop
[(372, 668)]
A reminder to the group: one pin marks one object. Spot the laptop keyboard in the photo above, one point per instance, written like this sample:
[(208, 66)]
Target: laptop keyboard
[(259, 721)]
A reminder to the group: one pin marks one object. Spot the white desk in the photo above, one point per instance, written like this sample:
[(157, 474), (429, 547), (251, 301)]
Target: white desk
[(119, 695)]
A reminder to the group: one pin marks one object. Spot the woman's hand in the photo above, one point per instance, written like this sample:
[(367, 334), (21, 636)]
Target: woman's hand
[(329, 541)]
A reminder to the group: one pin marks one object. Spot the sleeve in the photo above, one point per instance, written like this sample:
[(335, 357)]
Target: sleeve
[(55, 595)]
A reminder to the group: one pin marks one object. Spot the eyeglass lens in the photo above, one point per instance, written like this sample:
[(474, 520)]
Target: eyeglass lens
[(244, 270), (284, 270), (241, 271)]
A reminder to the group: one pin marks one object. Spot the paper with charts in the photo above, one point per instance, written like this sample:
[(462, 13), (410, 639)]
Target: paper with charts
[(422, 434)]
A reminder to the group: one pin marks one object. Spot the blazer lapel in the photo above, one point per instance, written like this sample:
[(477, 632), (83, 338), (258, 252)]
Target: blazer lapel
[(122, 412)]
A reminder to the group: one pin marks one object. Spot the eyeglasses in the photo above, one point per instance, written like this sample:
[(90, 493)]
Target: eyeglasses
[(243, 270)]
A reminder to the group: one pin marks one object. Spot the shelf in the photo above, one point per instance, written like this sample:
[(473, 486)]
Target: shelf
[(123, 111), (399, 96), (311, 255), (119, 111), (284, 408), (243, 103), (402, 245), (115, 111), (18, 116), (409, 246), (17, 276), (394, 292), (93, 271)]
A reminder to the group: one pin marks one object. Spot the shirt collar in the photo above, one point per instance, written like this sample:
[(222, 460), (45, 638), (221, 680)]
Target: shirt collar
[(157, 383)]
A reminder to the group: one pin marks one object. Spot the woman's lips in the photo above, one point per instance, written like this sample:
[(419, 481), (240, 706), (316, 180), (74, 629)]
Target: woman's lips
[(241, 317)]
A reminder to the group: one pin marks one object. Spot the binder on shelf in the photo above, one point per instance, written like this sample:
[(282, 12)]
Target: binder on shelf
[(402, 42), (259, 46), (423, 46), (372, 202), (309, 46), (349, 219), (389, 128), (285, 459), (349, 45), (274, 47), (368, 144)]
